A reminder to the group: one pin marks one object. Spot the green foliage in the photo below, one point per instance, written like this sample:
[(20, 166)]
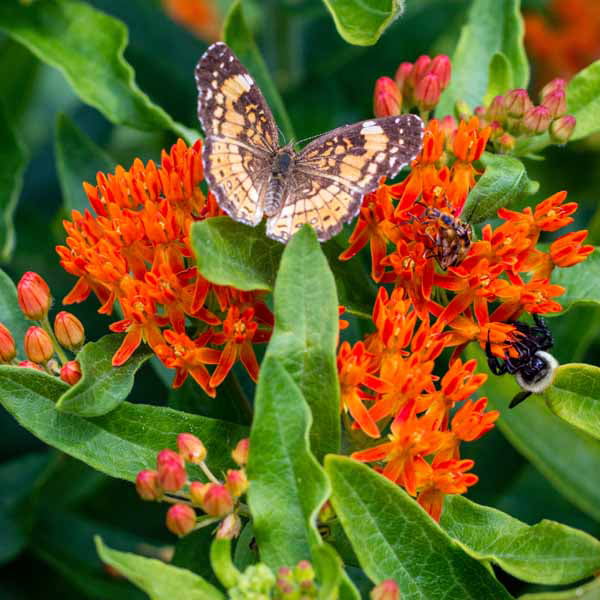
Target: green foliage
[(590, 591), (583, 100), (10, 313), (580, 282), (500, 77)]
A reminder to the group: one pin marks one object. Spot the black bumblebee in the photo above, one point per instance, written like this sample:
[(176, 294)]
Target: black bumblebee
[(533, 368)]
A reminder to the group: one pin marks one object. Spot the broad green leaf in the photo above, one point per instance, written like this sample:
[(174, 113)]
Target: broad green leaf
[(503, 182), (500, 77), (493, 26), (583, 100), (159, 580), (305, 336), (238, 36), (10, 313), (394, 538), (230, 253), (87, 46), (119, 444), (13, 159), (362, 22), (589, 591), (548, 552), (575, 396), (581, 282), (567, 457), (102, 387), (78, 159)]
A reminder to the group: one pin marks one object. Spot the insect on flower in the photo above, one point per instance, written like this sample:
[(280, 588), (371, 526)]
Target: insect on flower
[(533, 367)]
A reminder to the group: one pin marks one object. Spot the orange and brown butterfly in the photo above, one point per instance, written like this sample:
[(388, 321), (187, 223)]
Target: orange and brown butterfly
[(251, 175)]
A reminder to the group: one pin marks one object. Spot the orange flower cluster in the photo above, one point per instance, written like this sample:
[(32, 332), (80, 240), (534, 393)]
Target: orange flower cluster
[(136, 252), (201, 17)]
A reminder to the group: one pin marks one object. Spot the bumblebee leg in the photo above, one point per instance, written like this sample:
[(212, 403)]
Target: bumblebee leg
[(519, 398), (496, 367)]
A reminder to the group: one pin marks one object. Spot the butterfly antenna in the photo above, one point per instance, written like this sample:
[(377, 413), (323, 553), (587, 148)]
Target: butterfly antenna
[(307, 139), (282, 135)]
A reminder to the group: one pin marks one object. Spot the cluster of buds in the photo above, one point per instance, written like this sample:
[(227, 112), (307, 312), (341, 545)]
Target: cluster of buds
[(170, 482), (513, 115), (419, 84), (297, 583), (42, 341)]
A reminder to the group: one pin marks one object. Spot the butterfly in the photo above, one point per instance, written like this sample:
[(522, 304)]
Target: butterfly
[(253, 176)]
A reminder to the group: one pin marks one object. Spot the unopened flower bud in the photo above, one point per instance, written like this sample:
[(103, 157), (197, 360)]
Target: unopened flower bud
[(30, 365), (441, 67), (448, 125), (8, 350), (462, 110), (217, 501), (171, 470), (402, 73), (326, 513), (197, 491), (191, 448), (229, 527), (38, 345), (236, 482), (240, 453), (562, 129), (34, 296), (496, 111), (181, 519), (556, 103), (70, 372), (536, 120), (147, 486), (387, 98), (517, 103), (427, 92), (419, 70), (507, 142), (69, 331), (386, 590), (557, 84), (304, 571)]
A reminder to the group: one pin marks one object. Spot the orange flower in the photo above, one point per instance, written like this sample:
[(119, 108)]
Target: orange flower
[(199, 16)]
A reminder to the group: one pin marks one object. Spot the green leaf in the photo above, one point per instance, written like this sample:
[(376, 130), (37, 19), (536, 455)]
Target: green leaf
[(503, 182), (566, 456), (581, 282), (548, 552), (78, 159), (493, 26), (589, 591), (119, 444), (87, 46), (158, 579), (102, 387), (13, 160), (500, 77), (238, 36), (583, 100), (10, 313), (222, 565), (305, 336), (394, 538), (362, 22), (230, 253), (191, 552)]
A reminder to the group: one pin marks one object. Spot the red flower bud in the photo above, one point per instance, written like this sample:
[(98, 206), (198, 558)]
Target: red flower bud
[(229, 528), (240, 453), (34, 296), (441, 67), (38, 345), (30, 365), (536, 120), (386, 590), (236, 482), (147, 486), (419, 70), (69, 331), (8, 350), (171, 470), (387, 98), (427, 93), (562, 129), (217, 501), (70, 372), (181, 519), (507, 142), (557, 84), (197, 491), (496, 110), (191, 448), (556, 103), (517, 103), (402, 73)]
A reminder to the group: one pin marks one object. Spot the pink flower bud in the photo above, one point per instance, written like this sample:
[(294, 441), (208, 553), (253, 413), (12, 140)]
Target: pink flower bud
[(191, 448), (171, 470), (448, 125), (536, 120), (34, 296), (70, 372), (236, 482), (8, 350), (561, 129), (556, 103), (402, 74), (496, 110), (181, 519), (197, 491), (557, 84), (441, 67), (217, 501), (304, 571), (38, 345), (419, 70), (517, 103), (30, 365), (387, 98), (147, 486), (507, 142), (229, 527), (386, 590), (427, 92), (240, 453), (69, 331)]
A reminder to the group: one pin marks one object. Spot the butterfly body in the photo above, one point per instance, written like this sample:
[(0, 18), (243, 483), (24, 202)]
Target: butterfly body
[(253, 176)]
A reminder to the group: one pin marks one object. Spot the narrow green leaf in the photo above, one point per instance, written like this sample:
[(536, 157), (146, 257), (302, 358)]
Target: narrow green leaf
[(87, 46), (581, 282), (78, 159), (500, 77), (222, 564), (238, 36), (548, 552), (362, 22), (493, 26), (159, 580), (230, 253), (394, 538), (119, 444), (583, 100), (328, 567), (503, 182), (102, 387), (305, 336), (10, 313), (589, 591), (13, 159)]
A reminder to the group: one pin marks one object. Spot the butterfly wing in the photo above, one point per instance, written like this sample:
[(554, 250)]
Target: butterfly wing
[(333, 173), (241, 135)]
